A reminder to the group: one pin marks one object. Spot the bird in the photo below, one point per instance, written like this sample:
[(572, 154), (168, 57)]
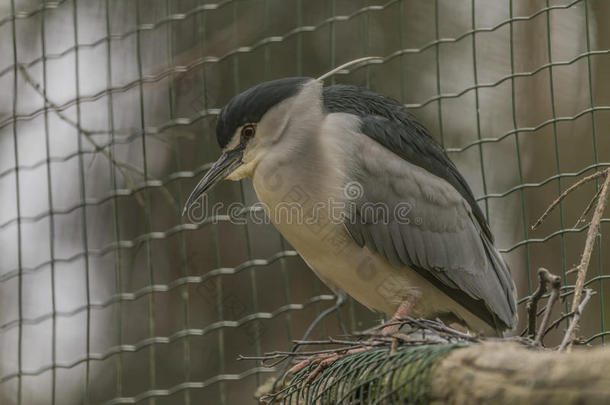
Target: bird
[(369, 200)]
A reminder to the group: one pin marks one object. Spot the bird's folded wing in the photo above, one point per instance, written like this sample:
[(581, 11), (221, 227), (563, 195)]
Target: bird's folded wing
[(417, 219)]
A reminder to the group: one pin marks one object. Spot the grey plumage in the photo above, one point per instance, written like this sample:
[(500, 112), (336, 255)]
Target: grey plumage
[(388, 122), (445, 237)]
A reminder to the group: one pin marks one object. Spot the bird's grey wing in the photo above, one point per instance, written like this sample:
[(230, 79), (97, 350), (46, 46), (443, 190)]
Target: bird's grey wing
[(388, 122), (429, 226)]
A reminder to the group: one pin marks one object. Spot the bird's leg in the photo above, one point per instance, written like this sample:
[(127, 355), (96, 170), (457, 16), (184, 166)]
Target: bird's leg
[(405, 309), (323, 361)]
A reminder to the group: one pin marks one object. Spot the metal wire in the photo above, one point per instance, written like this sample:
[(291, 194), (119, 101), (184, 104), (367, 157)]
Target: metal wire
[(374, 376), (18, 201), (155, 188)]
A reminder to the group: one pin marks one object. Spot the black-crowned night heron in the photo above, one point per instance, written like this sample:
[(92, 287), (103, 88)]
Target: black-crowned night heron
[(368, 199)]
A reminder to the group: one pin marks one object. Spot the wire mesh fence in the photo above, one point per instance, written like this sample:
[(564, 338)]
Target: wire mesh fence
[(107, 114), (383, 377)]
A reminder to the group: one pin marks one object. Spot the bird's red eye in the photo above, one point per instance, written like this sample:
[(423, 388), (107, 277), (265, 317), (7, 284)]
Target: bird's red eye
[(248, 131)]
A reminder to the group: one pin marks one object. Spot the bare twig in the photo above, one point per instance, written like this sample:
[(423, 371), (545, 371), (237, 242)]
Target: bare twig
[(435, 326), (330, 341), (277, 354), (568, 337), (557, 321), (438, 326), (581, 219), (588, 250), (565, 194), (544, 278), (555, 283), (538, 314), (425, 332), (123, 167), (566, 294)]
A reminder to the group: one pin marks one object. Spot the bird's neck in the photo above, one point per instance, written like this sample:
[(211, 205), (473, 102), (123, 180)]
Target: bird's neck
[(311, 163)]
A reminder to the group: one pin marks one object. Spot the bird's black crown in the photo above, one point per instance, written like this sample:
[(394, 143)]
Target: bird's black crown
[(252, 104)]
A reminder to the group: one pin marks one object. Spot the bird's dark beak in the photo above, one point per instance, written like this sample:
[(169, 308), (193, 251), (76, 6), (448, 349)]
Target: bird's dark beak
[(226, 163)]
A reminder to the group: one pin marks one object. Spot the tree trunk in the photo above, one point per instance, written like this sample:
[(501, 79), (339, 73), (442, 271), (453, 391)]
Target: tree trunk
[(507, 373)]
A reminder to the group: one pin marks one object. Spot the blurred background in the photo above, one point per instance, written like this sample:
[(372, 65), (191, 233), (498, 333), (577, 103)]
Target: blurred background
[(107, 120)]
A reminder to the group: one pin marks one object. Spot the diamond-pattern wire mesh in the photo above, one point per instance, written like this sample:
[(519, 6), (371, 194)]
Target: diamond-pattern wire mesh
[(379, 375), (107, 120)]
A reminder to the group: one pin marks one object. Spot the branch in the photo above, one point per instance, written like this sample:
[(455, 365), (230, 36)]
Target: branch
[(123, 167), (504, 373), (581, 219), (544, 278), (565, 194), (568, 338), (588, 250), (555, 282), (557, 321)]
